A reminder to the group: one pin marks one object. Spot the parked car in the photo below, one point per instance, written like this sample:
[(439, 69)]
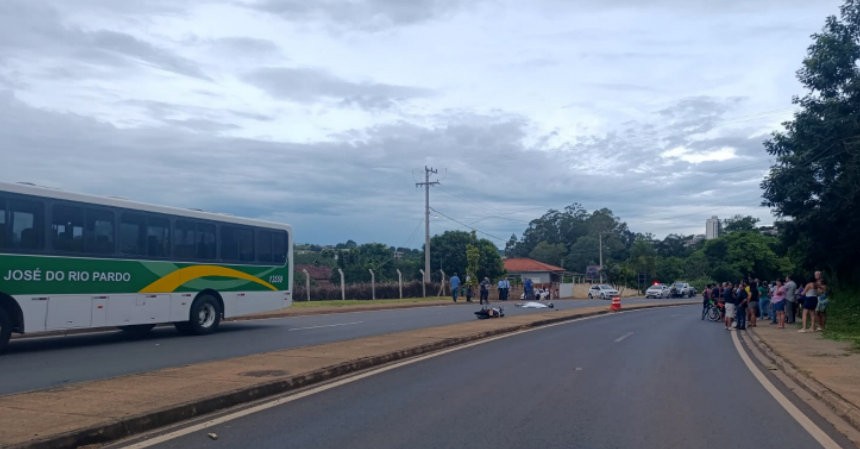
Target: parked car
[(602, 291), (682, 289), (657, 291)]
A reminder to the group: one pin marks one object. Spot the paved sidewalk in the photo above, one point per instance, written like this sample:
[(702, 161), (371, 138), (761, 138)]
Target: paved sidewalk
[(106, 410), (828, 369)]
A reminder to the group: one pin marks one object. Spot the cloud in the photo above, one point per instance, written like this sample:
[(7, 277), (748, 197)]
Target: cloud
[(363, 14), (687, 155), (310, 85), (33, 27)]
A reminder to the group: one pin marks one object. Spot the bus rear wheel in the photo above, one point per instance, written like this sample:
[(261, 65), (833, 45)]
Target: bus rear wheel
[(5, 330), (205, 316)]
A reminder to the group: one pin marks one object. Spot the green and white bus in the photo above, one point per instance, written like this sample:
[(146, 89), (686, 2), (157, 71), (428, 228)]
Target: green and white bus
[(72, 261)]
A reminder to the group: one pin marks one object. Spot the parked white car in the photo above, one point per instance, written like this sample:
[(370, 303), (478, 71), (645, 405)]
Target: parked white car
[(657, 291), (602, 291)]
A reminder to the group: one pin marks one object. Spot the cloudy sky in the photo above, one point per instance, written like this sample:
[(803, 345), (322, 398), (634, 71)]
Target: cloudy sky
[(323, 114)]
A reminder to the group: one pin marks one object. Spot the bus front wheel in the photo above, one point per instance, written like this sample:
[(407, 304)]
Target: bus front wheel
[(5, 330), (205, 316)]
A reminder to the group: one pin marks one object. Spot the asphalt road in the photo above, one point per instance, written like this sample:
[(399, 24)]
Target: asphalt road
[(651, 379), (44, 362)]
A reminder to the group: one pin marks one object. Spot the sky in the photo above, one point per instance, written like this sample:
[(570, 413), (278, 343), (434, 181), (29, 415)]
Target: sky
[(324, 114)]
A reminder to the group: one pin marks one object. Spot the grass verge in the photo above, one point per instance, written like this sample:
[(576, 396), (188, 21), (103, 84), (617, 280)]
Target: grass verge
[(843, 317), (358, 303)]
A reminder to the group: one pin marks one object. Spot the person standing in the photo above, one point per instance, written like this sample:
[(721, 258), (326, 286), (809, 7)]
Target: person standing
[(752, 302), (810, 303), (485, 290), (529, 290), (729, 300), (790, 300), (742, 299), (764, 302), (455, 286), (706, 300), (778, 304), (821, 309), (501, 288)]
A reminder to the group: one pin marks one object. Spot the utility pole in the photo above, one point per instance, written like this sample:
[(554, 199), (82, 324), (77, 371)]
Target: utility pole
[(427, 184), (600, 239)]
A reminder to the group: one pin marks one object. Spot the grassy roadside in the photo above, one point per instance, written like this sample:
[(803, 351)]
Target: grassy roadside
[(359, 303), (843, 317)]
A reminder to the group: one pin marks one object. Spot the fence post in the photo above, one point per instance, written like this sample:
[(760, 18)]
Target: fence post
[(442, 285), (372, 284), (342, 286), (423, 285), (307, 284), (400, 282)]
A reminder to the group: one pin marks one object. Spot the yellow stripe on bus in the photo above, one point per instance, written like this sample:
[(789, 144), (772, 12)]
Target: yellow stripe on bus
[(179, 277)]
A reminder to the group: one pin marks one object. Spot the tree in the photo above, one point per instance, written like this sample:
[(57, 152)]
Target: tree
[(551, 253), (643, 258), (448, 252), (816, 176), (740, 223)]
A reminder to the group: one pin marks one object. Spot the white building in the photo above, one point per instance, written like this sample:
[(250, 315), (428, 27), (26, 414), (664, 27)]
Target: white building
[(712, 228)]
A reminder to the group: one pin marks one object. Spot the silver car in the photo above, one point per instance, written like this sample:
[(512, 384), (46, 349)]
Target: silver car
[(602, 291), (657, 291)]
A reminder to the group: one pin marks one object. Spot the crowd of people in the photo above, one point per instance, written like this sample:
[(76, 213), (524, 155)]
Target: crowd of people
[(780, 302), (531, 292)]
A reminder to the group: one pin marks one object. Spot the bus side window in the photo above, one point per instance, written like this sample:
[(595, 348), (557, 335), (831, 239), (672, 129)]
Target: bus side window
[(264, 245), (99, 231), (157, 237), (279, 247), (27, 224), (2, 223), (184, 239), (206, 241), (130, 236), (67, 228)]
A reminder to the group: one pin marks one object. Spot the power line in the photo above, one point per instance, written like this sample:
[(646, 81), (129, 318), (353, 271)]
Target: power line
[(470, 227)]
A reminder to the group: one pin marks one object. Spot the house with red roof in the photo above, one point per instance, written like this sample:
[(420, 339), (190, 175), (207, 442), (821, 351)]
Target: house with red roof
[(538, 272)]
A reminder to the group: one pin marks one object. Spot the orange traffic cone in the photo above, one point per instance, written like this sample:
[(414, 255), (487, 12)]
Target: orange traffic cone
[(616, 304)]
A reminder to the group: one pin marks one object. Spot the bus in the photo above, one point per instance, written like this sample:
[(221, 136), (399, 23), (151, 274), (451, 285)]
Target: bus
[(73, 261)]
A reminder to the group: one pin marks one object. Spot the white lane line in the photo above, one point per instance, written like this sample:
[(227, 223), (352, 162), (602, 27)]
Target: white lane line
[(823, 439), (319, 389), (621, 338), (325, 325)]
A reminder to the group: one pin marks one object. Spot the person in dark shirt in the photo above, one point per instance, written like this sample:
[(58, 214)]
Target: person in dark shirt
[(742, 299), (706, 300), (729, 299)]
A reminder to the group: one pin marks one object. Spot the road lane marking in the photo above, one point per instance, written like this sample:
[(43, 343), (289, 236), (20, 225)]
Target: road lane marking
[(814, 431), (621, 338), (294, 396), (351, 323), (159, 439)]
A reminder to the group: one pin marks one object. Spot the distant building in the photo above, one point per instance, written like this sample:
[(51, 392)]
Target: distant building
[(712, 228), (769, 230)]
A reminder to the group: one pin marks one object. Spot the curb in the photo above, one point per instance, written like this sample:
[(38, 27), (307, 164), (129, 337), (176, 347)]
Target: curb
[(147, 421), (836, 403)]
